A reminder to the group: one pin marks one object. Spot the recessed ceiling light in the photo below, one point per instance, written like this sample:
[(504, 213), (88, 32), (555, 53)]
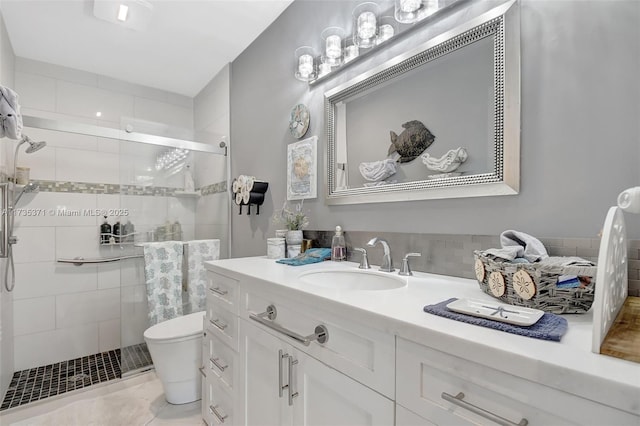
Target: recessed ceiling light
[(98, 114), (123, 11)]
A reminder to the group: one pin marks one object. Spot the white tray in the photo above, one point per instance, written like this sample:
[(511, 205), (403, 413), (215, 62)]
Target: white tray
[(496, 311)]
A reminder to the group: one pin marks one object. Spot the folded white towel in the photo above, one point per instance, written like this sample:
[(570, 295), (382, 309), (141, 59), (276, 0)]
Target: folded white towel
[(198, 252), (378, 170), (529, 247), (10, 117)]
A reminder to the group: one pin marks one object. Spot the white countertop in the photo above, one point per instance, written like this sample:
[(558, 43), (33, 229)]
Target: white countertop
[(568, 365)]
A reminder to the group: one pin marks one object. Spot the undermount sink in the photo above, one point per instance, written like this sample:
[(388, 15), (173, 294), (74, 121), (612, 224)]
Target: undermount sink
[(353, 280)]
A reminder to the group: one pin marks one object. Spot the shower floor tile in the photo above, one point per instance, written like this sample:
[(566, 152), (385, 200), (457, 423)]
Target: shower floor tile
[(42, 382)]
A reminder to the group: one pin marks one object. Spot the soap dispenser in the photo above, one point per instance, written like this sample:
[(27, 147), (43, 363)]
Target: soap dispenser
[(105, 231), (338, 246), (117, 231)]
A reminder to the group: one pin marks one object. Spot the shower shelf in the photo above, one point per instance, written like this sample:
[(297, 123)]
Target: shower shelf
[(78, 261)]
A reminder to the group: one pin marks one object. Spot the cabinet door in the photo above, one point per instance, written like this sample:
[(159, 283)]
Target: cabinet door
[(327, 397), (263, 372)]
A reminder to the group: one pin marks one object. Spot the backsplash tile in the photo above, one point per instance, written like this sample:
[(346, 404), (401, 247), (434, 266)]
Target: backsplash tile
[(450, 254), (109, 188)]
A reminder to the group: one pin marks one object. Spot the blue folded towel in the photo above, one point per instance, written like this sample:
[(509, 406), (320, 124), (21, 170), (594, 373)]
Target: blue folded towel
[(313, 255), (549, 327)]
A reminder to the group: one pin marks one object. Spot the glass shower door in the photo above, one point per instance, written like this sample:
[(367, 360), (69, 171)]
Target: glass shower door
[(157, 204)]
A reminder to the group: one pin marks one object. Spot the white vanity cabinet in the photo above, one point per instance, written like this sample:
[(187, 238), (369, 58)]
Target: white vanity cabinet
[(285, 386), (220, 358), (444, 390)]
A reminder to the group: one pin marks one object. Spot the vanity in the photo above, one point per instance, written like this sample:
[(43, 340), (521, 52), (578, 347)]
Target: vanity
[(329, 344)]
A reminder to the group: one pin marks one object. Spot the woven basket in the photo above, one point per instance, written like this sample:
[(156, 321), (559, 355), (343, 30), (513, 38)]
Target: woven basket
[(533, 285)]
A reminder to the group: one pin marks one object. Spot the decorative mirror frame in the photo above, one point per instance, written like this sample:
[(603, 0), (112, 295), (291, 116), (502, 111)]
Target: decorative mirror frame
[(502, 23)]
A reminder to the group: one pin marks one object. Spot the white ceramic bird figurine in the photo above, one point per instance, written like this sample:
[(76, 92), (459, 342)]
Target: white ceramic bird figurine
[(448, 162)]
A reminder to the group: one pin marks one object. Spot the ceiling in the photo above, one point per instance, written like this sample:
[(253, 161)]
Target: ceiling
[(186, 43)]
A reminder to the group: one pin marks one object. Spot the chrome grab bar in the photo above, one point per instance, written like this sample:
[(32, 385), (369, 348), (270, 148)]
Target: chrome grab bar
[(218, 290), (459, 401), (215, 361), (220, 325), (321, 334), (281, 385), (79, 261), (215, 412)]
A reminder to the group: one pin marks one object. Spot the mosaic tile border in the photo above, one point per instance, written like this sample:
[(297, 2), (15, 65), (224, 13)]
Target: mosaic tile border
[(108, 188), (450, 254)]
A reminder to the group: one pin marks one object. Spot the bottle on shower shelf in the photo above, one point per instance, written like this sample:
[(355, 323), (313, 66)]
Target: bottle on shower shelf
[(176, 229), (189, 185), (105, 232), (117, 231), (128, 232)]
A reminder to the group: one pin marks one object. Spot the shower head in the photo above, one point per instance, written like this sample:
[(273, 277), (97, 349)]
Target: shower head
[(33, 146), (28, 188)]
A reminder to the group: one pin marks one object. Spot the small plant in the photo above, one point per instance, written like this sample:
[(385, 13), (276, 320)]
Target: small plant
[(294, 218)]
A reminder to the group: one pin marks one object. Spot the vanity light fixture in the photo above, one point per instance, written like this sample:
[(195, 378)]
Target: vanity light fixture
[(351, 51), (410, 11), (305, 64), (332, 42), (324, 69), (123, 11), (365, 24)]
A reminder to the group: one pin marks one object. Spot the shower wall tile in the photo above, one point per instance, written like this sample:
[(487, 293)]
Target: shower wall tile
[(212, 209), (36, 91), (35, 244), (34, 315), (172, 115), (51, 209), (134, 314), (87, 307), (85, 101), (181, 208), (55, 71), (39, 279), (61, 139), (131, 273), (54, 346), (108, 202), (109, 335), (42, 163), (108, 145), (109, 275), (77, 241), (209, 169), (98, 167), (119, 86)]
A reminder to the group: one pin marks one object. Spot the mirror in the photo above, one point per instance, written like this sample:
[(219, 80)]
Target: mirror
[(439, 121)]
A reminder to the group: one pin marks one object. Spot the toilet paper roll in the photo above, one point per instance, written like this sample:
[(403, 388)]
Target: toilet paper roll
[(629, 200), (246, 195), (238, 198), (235, 186)]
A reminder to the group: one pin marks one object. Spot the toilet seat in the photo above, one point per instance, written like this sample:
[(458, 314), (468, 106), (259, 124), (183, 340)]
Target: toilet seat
[(176, 329)]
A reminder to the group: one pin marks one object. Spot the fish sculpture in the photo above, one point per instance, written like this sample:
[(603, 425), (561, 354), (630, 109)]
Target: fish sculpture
[(414, 139), (448, 162)]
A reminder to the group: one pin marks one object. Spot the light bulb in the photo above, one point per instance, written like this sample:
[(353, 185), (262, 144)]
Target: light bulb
[(324, 69), (350, 53), (410, 6), (366, 25), (305, 65), (385, 33), (333, 47)]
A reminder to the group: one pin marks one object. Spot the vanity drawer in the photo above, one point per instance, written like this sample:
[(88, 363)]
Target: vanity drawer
[(360, 352), (222, 324), (218, 404), (445, 389), (220, 361), (224, 290)]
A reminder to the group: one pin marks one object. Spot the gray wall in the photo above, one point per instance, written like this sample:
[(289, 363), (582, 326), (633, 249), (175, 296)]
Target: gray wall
[(580, 131)]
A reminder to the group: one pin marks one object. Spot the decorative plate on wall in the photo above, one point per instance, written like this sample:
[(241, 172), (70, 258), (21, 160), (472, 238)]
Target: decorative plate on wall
[(299, 121)]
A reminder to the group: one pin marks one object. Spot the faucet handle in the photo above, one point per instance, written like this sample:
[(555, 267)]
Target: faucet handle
[(364, 261), (405, 269)]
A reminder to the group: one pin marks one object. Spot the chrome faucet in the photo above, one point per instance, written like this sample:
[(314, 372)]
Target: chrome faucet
[(364, 260), (387, 263)]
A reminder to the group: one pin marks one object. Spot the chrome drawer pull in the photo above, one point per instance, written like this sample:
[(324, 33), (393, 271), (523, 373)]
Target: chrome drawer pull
[(321, 334), (218, 324), (458, 400), (219, 291), (281, 385), (216, 413), (215, 362), (292, 394), (202, 372)]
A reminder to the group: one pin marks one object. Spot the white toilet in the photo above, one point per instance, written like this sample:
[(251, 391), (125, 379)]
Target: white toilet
[(176, 349)]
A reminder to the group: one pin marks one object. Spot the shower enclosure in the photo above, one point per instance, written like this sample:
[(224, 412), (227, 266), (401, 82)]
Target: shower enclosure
[(92, 283)]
